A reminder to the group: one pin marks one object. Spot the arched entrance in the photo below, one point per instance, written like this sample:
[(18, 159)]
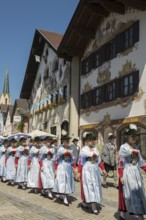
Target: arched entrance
[(65, 126), (142, 139)]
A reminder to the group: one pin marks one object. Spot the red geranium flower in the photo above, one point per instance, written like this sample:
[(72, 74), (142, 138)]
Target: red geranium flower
[(94, 155), (49, 153), (67, 153)]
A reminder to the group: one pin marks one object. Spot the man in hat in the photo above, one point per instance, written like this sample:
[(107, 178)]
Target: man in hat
[(76, 150), (109, 151), (64, 182)]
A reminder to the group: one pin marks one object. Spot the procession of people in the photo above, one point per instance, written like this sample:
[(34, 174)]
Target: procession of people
[(45, 167)]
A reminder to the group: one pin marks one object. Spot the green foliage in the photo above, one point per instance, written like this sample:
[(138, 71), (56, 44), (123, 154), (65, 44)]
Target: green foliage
[(21, 126)]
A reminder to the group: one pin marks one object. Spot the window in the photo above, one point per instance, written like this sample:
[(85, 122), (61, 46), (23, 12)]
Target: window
[(53, 130), (65, 93), (97, 96), (86, 100), (56, 97), (130, 84), (111, 49), (121, 87), (121, 42), (64, 61), (129, 38), (45, 125), (52, 98), (111, 91), (96, 59)]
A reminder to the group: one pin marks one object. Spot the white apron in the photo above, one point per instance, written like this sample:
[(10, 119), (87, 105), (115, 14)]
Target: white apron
[(2, 165), (47, 175), (33, 173), (22, 169), (10, 168)]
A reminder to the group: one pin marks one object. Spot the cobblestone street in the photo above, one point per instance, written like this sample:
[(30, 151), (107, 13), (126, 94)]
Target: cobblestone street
[(18, 204)]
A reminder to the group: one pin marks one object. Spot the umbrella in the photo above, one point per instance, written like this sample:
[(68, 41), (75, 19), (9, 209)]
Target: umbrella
[(38, 133), (17, 136)]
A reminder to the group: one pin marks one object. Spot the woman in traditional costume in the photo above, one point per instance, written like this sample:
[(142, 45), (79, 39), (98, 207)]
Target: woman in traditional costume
[(90, 177), (34, 181), (22, 169), (64, 182), (2, 163), (47, 171), (11, 162), (132, 198)]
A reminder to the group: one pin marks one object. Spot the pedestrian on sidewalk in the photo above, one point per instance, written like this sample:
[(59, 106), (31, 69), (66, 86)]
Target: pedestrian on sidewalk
[(64, 182), (109, 158), (132, 198), (90, 177)]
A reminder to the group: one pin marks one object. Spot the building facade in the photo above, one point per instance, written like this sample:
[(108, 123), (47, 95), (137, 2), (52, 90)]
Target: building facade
[(50, 91), (8, 121), (112, 73)]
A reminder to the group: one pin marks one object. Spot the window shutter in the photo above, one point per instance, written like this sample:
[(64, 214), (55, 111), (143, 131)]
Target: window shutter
[(103, 93), (91, 62), (136, 31), (135, 81), (119, 42), (107, 51), (82, 101), (121, 87), (118, 88), (102, 54), (93, 97), (82, 68)]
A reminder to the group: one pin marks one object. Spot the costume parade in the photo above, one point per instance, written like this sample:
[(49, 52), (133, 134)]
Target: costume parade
[(37, 164)]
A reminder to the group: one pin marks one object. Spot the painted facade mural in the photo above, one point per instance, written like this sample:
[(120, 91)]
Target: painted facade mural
[(49, 97), (132, 59)]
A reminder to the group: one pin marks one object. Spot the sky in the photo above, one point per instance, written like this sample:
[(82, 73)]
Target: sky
[(18, 21)]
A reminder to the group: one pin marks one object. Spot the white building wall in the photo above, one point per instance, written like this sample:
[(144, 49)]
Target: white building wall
[(136, 56), (41, 91)]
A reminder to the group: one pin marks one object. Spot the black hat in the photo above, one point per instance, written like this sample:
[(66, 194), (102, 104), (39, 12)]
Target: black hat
[(75, 140), (132, 130), (45, 137), (37, 138), (65, 137), (88, 136)]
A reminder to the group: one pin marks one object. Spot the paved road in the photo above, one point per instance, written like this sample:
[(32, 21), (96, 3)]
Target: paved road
[(18, 204)]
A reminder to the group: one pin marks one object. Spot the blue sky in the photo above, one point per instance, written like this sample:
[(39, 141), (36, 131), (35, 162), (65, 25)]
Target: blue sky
[(18, 21)]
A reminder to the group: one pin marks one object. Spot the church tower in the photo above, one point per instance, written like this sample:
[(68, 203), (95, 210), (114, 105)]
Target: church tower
[(5, 97)]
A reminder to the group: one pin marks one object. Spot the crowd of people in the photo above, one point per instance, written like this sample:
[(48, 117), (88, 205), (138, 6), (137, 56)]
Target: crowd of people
[(42, 166)]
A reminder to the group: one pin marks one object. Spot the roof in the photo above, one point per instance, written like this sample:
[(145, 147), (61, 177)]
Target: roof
[(86, 20), (22, 103), (53, 38), (4, 108), (40, 38), (11, 109)]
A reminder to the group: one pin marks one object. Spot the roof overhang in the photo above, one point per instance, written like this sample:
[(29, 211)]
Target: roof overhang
[(86, 20)]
